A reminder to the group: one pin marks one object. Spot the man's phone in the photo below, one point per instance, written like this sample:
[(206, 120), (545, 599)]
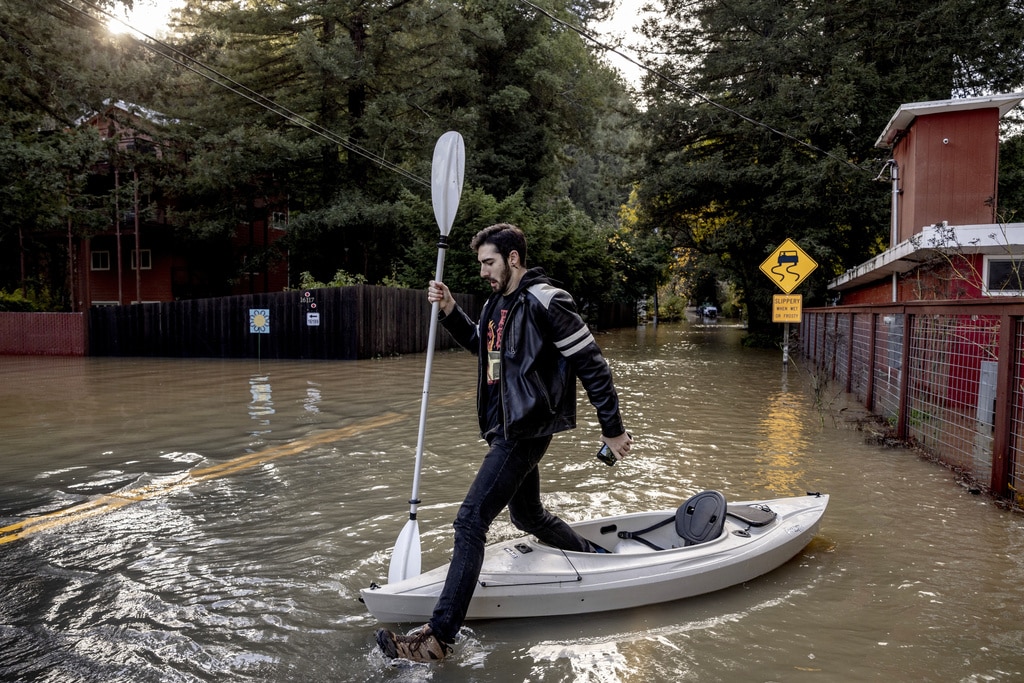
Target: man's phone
[(606, 455)]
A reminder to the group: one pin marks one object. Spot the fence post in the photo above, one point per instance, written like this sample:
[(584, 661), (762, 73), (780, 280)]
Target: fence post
[(869, 391), (902, 411), (1002, 422), (849, 353), (835, 345)]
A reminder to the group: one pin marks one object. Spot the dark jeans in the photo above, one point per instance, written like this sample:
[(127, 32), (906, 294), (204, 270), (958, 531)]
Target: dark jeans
[(508, 476)]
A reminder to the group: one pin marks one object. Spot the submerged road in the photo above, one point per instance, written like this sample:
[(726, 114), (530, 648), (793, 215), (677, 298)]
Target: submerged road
[(168, 485), (196, 520)]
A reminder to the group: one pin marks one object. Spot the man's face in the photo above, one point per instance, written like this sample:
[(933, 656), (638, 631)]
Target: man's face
[(494, 268)]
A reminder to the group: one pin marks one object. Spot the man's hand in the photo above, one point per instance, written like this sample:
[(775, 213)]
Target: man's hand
[(437, 292), (620, 444)]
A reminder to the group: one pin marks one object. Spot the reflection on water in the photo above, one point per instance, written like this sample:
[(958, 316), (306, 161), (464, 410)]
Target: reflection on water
[(312, 398), (261, 407), (191, 520), (783, 447)]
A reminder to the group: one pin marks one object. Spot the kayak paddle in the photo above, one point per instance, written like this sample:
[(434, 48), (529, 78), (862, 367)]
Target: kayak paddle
[(446, 172)]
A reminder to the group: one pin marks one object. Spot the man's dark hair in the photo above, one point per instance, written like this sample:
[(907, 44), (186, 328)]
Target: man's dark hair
[(505, 237)]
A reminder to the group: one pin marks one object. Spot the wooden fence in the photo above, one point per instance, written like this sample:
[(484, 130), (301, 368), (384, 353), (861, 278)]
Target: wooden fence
[(343, 323)]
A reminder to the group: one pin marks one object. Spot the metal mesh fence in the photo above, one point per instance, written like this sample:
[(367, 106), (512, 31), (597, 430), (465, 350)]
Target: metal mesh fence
[(952, 389), (949, 402), (1016, 445), (841, 331), (888, 360), (860, 348)]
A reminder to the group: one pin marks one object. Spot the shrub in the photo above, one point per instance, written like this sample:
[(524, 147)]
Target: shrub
[(17, 302)]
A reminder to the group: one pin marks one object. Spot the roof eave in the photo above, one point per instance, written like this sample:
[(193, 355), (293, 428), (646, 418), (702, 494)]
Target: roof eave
[(991, 239), (905, 115)]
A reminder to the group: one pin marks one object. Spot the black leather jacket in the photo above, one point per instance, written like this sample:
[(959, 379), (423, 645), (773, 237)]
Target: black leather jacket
[(546, 346)]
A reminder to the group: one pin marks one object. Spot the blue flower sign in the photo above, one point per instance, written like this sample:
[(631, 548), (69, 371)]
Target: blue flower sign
[(259, 320)]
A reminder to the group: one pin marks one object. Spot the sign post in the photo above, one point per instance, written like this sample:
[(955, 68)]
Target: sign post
[(788, 266), (259, 323)]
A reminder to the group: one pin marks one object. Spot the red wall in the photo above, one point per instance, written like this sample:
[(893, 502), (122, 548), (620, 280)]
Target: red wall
[(43, 334), (948, 164), (155, 282), (876, 293)]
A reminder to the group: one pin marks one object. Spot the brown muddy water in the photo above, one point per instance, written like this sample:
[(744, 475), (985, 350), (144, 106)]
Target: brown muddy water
[(212, 520)]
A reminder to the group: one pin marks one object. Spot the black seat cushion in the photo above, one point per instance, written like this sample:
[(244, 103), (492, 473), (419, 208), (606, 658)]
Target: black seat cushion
[(701, 518)]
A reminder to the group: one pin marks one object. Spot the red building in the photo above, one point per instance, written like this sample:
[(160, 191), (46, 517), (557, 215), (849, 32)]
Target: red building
[(142, 258), (946, 241)]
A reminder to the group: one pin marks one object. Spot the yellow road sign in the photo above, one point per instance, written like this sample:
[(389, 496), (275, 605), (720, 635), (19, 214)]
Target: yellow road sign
[(788, 266), (787, 308)]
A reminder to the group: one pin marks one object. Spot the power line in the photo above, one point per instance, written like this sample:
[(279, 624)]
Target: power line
[(209, 73), (585, 34)]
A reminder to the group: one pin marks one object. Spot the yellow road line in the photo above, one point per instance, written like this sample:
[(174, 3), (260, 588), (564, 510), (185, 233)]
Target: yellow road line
[(109, 502)]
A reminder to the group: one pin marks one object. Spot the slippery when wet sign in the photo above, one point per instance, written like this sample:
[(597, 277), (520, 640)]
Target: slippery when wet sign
[(788, 266)]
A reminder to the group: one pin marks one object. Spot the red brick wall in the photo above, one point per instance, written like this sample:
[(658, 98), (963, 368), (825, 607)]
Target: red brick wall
[(43, 334)]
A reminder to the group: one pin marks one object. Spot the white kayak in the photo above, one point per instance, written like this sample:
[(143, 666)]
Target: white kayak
[(526, 578)]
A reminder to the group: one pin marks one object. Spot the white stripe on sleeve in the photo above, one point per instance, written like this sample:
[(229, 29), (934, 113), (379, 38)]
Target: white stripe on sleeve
[(575, 342)]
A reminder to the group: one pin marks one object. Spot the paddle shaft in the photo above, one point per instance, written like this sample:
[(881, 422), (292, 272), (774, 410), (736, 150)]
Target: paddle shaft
[(442, 246)]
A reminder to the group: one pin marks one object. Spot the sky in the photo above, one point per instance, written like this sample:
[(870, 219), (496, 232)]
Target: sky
[(149, 16), (622, 25)]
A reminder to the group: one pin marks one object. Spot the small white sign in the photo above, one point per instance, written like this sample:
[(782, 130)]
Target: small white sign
[(313, 320)]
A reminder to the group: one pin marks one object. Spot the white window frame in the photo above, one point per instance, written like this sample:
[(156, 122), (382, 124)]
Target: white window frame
[(146, 256), (986, 271), (106, 259)]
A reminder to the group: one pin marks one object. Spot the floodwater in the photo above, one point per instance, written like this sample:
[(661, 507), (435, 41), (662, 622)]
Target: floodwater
[(214, 520)]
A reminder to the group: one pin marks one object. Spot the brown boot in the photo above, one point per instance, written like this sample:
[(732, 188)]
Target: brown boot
[(419, 646)]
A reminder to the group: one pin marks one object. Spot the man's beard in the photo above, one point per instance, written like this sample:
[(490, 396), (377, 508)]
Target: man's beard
[(501, 283)]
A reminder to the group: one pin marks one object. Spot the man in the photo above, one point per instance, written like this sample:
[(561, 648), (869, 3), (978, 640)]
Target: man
[(531, 344)]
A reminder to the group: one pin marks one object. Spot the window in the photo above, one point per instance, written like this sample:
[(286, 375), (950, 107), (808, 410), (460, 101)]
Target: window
[(100, 260), (145, 256), (1004, 276)]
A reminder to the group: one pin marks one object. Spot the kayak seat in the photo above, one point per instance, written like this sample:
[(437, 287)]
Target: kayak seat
[(699, 519), (702, 518)]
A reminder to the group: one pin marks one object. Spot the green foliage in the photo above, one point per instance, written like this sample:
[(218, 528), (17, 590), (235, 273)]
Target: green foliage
[(539, 114), (1011, 180), (335, 111), (640, 256), (553, 141), (671, 308), (16, 302), (340, 279), (58, 67), (27, 300)]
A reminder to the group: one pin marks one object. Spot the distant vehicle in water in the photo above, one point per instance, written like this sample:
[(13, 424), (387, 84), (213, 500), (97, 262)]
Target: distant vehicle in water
[(707, 311)]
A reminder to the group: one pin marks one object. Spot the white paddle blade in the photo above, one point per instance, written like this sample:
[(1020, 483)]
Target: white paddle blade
[(446, 173), (405, 561)]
